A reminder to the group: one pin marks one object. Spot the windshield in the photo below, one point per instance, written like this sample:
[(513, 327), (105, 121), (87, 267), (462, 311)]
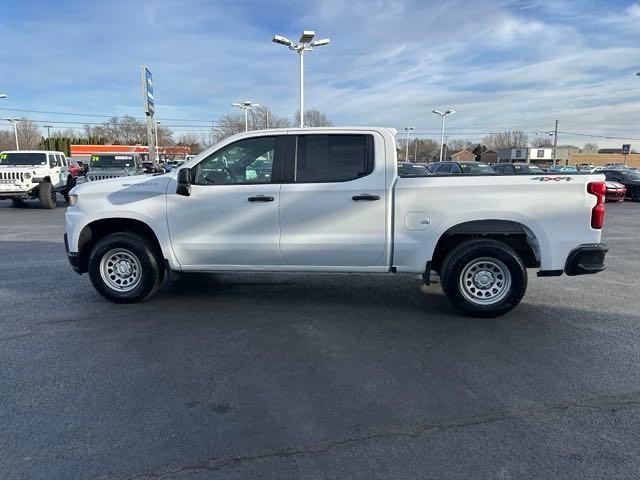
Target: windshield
[(476, 168), (23, 158), (112, 161)]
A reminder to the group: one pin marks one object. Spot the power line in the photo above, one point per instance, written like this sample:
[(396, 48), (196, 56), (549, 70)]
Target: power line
[(104, 116)]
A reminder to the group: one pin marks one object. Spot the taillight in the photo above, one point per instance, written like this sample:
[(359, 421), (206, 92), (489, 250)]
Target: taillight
[(599, 189)]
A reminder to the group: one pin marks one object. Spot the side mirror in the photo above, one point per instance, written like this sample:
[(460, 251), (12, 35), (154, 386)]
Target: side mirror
[(184, 182)]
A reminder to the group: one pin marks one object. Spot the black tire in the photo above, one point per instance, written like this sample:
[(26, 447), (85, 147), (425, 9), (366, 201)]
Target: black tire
[(635, 194), (494, 262), (47, 195), (71, 182), (149, 263)]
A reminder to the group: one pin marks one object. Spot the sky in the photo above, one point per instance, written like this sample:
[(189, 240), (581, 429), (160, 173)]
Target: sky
[(500, 64)]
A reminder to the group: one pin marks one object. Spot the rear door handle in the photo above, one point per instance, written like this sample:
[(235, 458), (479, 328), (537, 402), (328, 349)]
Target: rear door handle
[(365, 197), (260, 198)]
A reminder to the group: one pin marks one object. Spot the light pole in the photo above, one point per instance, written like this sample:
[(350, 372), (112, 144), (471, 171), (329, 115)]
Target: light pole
[(246, 106), (15, 129), (305, 44), (406, 152), (158, 122), (443, 115)]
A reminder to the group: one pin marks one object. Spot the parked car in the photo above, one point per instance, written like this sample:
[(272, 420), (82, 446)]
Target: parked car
[(151, 167), (34, 174), (409, 169), (615, 192), (334, 203), (113, 165), (563, 169), (516, 168), (461, 168), (75, 169), (627, 177)]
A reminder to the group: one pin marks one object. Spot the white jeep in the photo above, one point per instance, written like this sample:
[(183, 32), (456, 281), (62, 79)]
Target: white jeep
[(31, 174)]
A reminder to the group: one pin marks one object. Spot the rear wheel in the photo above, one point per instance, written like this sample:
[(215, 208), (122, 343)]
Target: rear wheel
[(124, 268), (484, 278), (47, 195), (635, 194)]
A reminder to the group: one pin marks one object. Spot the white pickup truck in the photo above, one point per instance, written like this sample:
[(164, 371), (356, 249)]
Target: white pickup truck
[(331, 200)]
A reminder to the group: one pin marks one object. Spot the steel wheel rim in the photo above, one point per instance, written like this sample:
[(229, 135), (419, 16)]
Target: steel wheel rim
[(120, 270), (485, 281)]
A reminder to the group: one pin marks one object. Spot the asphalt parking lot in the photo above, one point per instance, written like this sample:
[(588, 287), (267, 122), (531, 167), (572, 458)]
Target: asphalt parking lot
[(271, 376)]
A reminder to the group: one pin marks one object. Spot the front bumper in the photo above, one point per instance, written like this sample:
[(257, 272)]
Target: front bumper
[(74, 259), (586, 259)]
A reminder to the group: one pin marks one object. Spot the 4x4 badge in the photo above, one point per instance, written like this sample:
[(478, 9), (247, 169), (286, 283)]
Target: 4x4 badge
[(552, 179)]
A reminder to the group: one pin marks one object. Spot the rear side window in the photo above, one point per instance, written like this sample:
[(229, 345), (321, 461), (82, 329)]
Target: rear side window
[(333, 158)]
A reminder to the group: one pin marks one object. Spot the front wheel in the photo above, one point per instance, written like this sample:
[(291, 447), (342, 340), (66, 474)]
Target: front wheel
[(47, 195), (484, 278), (124, 268)]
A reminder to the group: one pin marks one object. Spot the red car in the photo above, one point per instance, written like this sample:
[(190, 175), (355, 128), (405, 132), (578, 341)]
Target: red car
[(615, 192), (74, 168)]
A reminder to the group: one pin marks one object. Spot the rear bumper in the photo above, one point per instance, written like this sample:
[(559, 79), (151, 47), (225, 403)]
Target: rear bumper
[(586, 259), (74, 259)]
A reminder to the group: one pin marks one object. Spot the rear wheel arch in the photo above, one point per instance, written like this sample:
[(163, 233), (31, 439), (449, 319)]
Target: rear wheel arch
[(514, 234), (98, 229)]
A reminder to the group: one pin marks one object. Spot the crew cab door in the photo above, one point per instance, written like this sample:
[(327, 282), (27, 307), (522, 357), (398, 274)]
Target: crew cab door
[(231, 215), (333, 202)]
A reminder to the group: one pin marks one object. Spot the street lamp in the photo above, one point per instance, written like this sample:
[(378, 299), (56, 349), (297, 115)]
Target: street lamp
[(246, 106), (305, 44), (158, 122), (15, 129), (406, 153), (442, 116)]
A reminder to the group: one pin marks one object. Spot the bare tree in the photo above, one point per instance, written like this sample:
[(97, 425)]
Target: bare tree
[(190, 140), (259, 118), (591, 147), (124, 130), (29, 135), (507, 139), (7, 140), (542, 142), (313, 118)]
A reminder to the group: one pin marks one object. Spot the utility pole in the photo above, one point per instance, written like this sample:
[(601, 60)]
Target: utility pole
[(415, 151), (555, 143), (406, 152), (48, 136)]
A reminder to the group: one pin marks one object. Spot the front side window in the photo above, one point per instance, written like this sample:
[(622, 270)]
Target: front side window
[(244, 162), (333, 158)]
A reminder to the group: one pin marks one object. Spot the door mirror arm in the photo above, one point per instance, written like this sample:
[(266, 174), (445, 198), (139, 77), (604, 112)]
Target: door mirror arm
[(184, 182)]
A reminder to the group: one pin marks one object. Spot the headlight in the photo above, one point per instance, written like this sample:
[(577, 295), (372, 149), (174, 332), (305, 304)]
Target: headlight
[(27, 176), (73, 199)]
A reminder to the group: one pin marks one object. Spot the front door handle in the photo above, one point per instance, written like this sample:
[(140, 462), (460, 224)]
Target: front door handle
[(365, 197), (260, 198)]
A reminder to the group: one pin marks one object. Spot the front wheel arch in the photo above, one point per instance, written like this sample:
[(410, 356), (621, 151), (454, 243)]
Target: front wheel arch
[(98, 229)]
